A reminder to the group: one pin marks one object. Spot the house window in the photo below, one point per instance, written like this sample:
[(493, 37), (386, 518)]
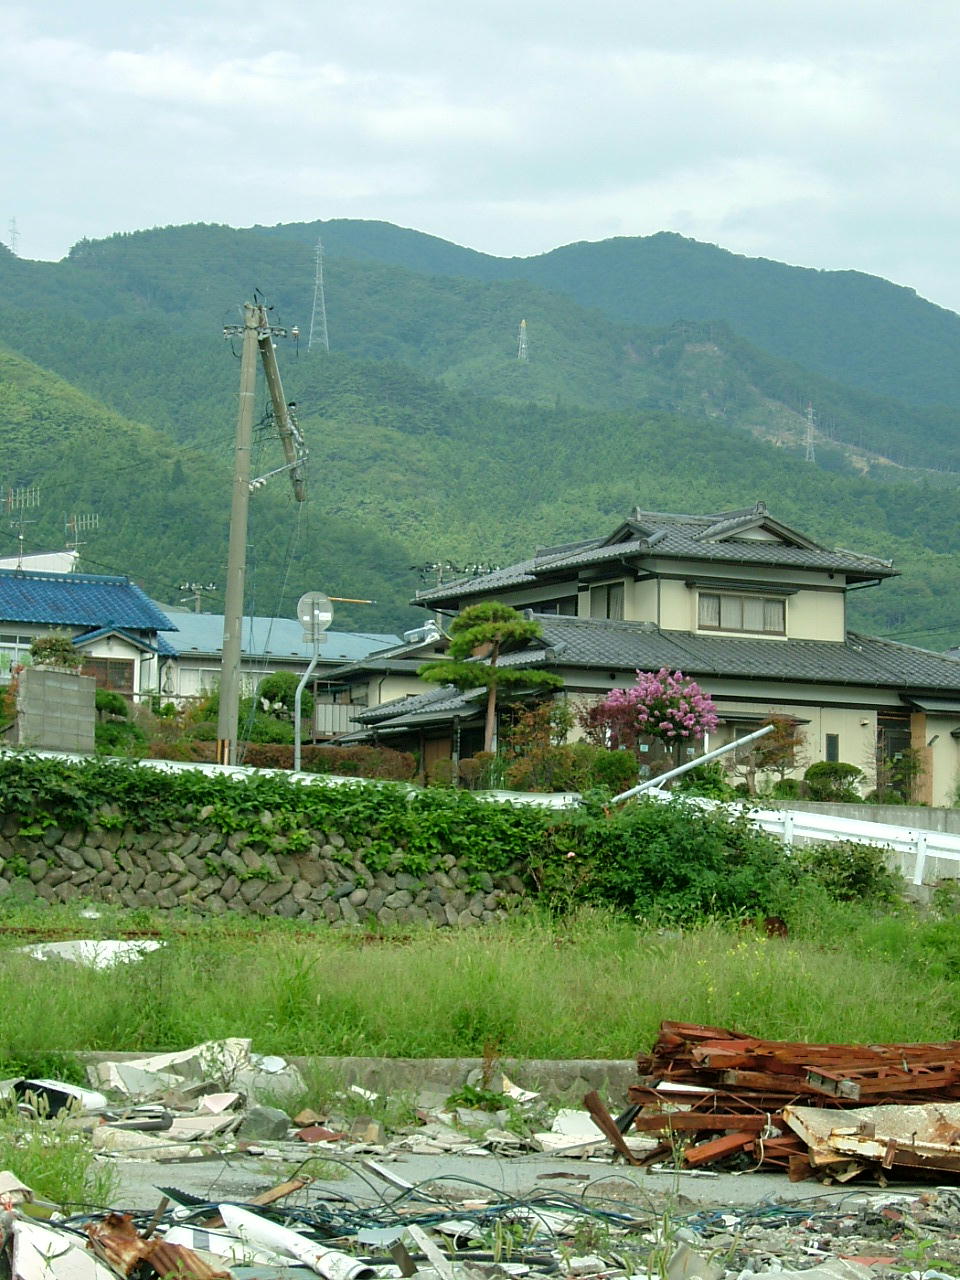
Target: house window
[(14, 649), (741, 613), (110, 673), (607, 601), (564, 605), (831, 748)]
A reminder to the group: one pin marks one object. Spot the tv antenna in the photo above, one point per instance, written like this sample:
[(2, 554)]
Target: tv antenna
[(318, 316), (18, 502), (75, 525)]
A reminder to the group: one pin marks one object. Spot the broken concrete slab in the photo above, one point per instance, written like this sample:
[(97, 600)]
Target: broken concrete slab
[(263, 1124), (43, 1252), (134, 1145), (94, 953)]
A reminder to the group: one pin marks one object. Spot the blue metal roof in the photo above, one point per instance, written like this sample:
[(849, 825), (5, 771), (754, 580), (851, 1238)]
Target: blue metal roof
[(275, 638), (78, 599), (162, 646)]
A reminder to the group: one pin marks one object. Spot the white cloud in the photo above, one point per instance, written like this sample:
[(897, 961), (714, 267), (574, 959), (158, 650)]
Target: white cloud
[(811, 131)]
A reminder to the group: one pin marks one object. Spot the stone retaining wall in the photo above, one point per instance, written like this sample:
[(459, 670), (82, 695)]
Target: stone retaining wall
[(214, 874)]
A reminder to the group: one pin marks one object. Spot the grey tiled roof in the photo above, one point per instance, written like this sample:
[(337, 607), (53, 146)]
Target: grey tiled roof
[(667, 535), (397, 658), (861, 660), (444, 699)]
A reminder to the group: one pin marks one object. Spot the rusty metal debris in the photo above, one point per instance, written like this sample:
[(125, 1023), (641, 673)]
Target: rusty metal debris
[(711, 1094)]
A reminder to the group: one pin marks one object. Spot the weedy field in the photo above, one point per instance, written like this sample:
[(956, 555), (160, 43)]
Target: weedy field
[(588, 985)]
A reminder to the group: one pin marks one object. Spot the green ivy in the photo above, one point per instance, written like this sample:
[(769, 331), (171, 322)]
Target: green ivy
[(678, 860)]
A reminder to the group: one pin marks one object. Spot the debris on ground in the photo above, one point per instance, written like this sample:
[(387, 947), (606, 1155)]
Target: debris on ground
[(708, 1101), (715, 1097), (457, 1229)]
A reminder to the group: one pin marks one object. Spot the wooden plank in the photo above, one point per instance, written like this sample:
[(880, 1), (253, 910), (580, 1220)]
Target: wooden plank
[(717, 1148), (694, 1121), (605, 1123)]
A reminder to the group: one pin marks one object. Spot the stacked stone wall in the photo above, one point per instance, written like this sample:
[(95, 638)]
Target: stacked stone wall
[(216, 874)]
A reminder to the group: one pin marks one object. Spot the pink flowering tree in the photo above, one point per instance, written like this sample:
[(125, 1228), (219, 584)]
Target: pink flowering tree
[(666, 706)]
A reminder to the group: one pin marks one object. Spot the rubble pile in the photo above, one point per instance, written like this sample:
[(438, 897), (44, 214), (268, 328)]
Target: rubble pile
[(323, 1192), (711, 1095)]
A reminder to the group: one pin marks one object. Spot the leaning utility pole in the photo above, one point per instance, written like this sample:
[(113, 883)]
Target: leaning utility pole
[(257, 334), (228, 714)]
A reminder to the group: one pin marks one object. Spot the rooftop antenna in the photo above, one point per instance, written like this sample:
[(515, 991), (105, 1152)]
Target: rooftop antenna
[(13, 236), (522, 341), (21, 500), (318, 316), (809, 452), (74, 525)]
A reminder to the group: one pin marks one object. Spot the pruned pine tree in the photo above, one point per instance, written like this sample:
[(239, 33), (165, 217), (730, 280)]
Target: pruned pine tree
[(479, 636)]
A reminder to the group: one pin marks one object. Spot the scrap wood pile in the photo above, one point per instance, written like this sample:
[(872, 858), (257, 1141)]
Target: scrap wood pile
[(711, 1095)]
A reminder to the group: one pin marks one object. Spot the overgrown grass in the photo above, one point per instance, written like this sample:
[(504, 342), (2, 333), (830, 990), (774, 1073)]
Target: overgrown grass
[(592, 985), (56, 1162)]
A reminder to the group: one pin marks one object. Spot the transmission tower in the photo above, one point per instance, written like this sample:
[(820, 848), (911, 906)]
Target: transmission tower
[(318, 316), (13, 237), (522, 341), (809, 452)]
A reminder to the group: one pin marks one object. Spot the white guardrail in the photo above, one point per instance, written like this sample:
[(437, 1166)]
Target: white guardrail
[(931, 854), (917, 847)]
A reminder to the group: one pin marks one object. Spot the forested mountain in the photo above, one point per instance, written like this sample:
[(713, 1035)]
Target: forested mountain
[(163, 510), (856, 328), (429, 440), (136, 321)]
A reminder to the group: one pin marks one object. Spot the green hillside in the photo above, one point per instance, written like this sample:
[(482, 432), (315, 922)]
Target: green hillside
[(136, 321), (429, 440), (164, 510), (855, 328)]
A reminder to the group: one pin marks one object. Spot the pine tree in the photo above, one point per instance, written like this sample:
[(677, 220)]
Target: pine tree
[(479, 636)]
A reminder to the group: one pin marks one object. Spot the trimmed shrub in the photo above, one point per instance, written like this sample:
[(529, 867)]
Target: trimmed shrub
[(348, 762), (710, 780), (110, 703), (55, 650), (833, 781)]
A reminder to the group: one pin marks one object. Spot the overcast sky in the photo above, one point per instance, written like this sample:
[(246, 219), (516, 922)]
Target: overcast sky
[(823, 133)]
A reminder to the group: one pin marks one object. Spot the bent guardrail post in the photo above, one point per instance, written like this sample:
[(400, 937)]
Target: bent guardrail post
[(693, 764)]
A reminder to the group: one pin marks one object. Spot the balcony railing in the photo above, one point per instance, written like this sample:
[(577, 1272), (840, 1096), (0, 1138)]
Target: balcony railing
[(332, 718)]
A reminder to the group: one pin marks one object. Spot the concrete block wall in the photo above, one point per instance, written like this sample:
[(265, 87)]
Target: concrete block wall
[(56, 710)]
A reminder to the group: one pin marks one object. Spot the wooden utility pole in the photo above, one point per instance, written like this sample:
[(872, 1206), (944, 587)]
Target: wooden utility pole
[(228, 715), (257, 335)]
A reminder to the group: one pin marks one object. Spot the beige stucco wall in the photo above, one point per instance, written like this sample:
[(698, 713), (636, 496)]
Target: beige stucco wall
[(811, 615), (856, 729), (816, 615), (941, 759)]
